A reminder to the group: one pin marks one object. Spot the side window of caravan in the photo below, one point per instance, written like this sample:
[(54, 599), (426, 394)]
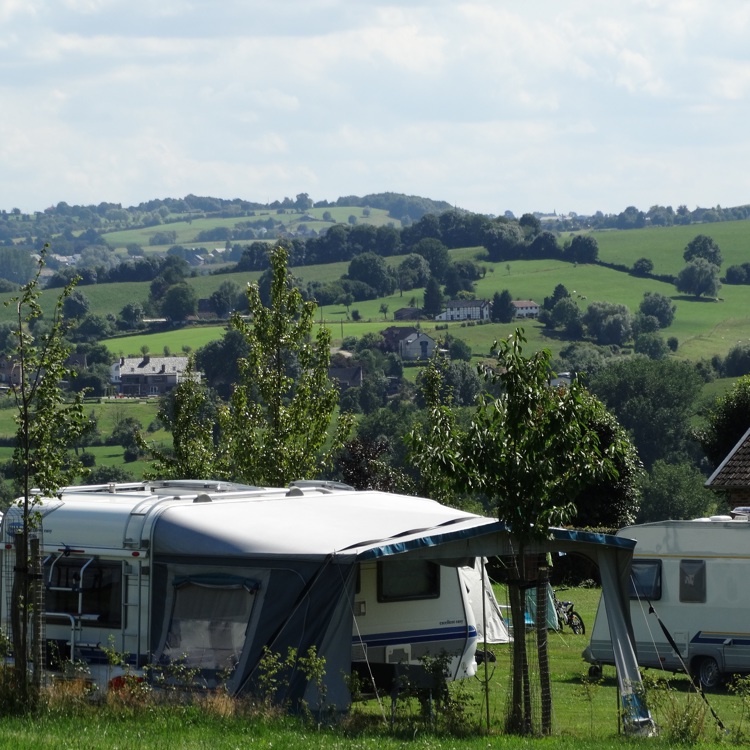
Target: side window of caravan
[(645, 580), (88, 588), (692, 580), (403, 580)]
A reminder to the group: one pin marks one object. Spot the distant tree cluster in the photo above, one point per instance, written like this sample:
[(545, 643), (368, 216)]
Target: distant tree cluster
[(738, 274), (610, 324), (700, 277), (656, 216)]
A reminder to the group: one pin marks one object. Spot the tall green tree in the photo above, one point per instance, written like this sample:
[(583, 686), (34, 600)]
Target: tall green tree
[(190, 414), (528, 450), (675, 491), (503, 310), (275, 427), (660, 306), (583, 249), (49, 422), (433, 298), (653, 400), (727, 421), (180, 301), (703, 246), (700, 278)]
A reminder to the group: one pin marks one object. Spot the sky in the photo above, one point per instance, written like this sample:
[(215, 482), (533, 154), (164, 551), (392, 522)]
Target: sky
[(491, 105)]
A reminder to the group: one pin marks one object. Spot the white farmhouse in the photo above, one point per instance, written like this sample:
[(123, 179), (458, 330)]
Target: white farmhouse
[(417, 346), (526, 308), (466, 309)]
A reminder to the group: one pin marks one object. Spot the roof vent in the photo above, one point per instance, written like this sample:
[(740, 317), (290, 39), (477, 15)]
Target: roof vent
[(202, 498)]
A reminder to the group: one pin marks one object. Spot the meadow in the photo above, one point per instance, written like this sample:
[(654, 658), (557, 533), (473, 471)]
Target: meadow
[(187, 231), (703, 328)]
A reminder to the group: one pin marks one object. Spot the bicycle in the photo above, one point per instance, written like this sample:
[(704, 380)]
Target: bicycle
[(566, 615)]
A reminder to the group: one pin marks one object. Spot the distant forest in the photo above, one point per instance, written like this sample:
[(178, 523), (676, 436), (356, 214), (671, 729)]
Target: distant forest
[(83, 230)]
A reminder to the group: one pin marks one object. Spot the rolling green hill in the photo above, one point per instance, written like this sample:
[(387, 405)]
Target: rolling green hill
[(665, 245), (703, 328), (187, 231)]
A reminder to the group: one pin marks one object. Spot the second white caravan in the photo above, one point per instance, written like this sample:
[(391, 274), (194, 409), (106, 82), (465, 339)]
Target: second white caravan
[(691, 578)]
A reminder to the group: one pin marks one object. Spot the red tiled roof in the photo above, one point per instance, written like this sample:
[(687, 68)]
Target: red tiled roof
[(734, 470)]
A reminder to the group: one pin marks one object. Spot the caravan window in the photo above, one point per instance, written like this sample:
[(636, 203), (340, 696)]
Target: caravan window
[(210, 617), (403, 580), (87, 587), (692, 580), (645, 580)]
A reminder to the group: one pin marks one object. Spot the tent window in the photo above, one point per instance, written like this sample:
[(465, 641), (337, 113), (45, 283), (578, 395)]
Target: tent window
[(209, 622), (645, 580), (692, 580), (404, 580), (87, 588)]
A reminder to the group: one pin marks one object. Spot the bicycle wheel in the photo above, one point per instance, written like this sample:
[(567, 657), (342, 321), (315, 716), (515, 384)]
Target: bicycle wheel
[(576, 623)]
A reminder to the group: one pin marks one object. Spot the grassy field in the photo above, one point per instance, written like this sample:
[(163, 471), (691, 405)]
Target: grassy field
[(585, 715), (702, 328), (665, 245), (187, 231)]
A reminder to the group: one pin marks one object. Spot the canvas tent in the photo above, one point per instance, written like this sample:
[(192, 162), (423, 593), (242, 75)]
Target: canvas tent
[(491, 627), (552, 623)]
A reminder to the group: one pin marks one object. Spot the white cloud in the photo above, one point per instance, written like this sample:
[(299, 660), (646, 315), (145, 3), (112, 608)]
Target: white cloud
[(575, 106)]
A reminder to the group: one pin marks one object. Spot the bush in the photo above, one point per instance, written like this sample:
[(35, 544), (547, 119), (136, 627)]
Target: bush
[(88, 460), (131, 453)]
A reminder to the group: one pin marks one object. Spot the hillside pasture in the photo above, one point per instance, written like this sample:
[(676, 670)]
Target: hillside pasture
[(187, 231), (703, 328), (666, 245)]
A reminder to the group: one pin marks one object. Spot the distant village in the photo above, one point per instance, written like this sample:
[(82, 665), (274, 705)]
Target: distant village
[(153, 376)]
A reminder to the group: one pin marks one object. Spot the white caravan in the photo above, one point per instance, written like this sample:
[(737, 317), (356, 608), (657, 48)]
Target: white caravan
[(694, 575), (214, 572)]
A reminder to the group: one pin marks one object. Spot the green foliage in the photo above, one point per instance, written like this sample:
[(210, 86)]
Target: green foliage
[(652, 399), (683, 719), (47, 424), (529, 449), (703, 246), (180, 301), (567, 315), (675, 491), (275, 671), (612, 500), (608, 323), (190, 415), (652, 345), (583, 249), (76, 305), (726, 422), (433, 298), (275, 427), (643, 267), (503, 309), (699, 278), (737, 361), (660, 306)]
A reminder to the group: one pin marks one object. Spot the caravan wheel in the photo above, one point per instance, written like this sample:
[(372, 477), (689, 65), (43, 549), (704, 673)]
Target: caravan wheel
[(709, 673)]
